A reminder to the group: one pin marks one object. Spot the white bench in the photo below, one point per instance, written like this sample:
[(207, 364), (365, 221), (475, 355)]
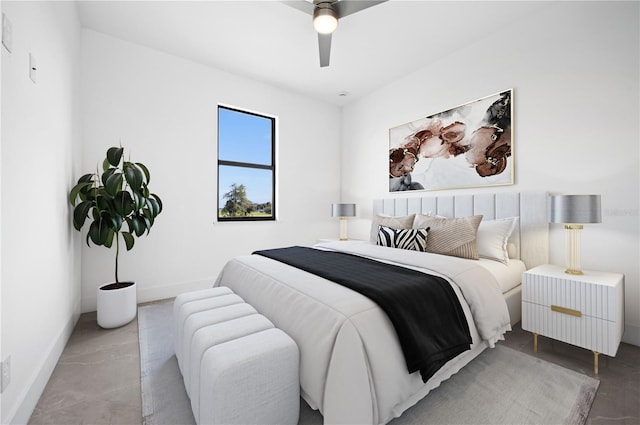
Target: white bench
[(237, 367)]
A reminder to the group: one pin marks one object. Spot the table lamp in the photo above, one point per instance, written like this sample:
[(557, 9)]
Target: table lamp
[(573, 211), (343, 211)]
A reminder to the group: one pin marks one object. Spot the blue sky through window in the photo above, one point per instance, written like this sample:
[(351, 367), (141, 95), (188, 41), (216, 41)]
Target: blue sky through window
[(247, 138), (244, 137)]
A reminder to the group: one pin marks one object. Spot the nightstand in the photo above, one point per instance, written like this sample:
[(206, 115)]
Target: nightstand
[(583, 310), (321, 240)]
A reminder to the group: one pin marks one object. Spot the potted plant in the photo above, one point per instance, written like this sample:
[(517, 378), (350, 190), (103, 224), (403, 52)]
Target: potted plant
[(119, 205)]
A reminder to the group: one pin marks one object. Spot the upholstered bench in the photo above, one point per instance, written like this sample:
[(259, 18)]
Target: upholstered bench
[(184, 306), (237, 367)]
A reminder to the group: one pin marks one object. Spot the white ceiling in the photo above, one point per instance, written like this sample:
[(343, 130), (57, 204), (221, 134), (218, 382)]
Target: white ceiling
[(272, 42)]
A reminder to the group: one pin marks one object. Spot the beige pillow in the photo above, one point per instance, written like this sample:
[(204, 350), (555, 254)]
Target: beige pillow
[(399, 222), (451, 236)]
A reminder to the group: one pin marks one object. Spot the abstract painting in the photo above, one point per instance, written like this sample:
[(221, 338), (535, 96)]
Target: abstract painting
[(467, 146)]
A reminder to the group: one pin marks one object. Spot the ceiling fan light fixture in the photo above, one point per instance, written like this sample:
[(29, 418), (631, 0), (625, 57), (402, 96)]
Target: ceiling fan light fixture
[(325, 19)]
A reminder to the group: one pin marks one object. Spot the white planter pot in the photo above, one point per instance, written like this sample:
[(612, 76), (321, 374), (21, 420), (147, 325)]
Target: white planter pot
[(117, 307)]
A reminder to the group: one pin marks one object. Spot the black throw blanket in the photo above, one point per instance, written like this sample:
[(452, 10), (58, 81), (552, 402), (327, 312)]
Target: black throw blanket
[(424, 309)]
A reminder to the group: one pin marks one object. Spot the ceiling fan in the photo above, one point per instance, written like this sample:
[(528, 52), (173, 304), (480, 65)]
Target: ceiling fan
[(325, 18)]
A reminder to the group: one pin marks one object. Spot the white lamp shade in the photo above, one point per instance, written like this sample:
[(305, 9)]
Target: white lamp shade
[(575, 209), (343, 210)]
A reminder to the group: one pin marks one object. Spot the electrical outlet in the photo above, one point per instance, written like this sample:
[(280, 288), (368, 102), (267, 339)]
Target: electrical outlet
[(6, 373)]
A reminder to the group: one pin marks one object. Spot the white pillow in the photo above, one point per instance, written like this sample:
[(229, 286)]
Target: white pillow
[(493, 236)]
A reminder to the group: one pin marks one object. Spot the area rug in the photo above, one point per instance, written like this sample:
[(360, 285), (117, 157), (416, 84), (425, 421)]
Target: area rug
[(501, 386)]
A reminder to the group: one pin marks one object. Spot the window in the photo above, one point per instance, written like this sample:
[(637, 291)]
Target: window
[(246, 166)]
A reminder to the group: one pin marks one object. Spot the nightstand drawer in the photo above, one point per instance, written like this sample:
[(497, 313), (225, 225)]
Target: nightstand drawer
[(587, 332), (590, 299)]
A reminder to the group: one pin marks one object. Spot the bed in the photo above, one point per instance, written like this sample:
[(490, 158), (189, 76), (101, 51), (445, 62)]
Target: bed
[(352, 368)]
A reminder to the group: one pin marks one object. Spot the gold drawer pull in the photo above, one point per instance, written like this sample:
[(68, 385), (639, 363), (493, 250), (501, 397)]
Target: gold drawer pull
[(565, 310)]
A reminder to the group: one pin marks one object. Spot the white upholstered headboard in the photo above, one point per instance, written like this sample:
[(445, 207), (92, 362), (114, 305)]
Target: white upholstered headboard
[(531, 237)]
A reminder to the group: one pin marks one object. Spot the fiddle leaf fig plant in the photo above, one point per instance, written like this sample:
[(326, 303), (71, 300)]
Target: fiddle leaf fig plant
[(116, 203)]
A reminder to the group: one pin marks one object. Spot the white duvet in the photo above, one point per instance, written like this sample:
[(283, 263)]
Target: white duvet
[(351, 365)]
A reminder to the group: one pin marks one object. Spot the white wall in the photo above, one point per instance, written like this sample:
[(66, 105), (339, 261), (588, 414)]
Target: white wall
[(40, 158), (574, 70), (164, 111)]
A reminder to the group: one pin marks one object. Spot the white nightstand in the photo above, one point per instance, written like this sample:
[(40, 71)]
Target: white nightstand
[(584, 310)]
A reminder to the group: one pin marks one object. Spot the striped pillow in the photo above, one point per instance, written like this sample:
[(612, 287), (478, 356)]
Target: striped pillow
[(413, 239), (451, 236)]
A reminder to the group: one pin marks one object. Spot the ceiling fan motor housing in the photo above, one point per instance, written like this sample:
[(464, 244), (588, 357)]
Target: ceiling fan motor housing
[(325, 18)]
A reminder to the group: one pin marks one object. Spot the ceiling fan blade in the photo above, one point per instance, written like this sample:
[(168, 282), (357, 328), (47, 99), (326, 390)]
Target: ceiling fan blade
[(347, 7), (301, 5), (324, 44)]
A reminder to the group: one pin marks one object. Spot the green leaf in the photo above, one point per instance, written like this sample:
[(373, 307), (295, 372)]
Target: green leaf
[(80, 213), (133, 176), (103, 202), (147, 223), (109, 240), (151, 207), (105, 165), (94, 232), (99, 231), (107, 173), (102, 191), (137, 200), (76, 191), (123, 203), (136, 226), (116, 221), (159, 201), (104, 231), (106, 219), (149, 215), (154, 206), (128, 240), (86, 178), (145, 170), (114, 184), (91, 194), (114, 155)]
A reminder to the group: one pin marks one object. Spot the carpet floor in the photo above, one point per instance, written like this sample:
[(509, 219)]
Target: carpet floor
[(501, 386)]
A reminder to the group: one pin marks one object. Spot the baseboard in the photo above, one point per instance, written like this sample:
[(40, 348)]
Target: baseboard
[(170, 291), (155, 293), (24, 409), (631, 335)]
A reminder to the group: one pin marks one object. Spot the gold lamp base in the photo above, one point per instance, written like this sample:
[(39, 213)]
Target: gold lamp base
[(343, 229), (573, 249)]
